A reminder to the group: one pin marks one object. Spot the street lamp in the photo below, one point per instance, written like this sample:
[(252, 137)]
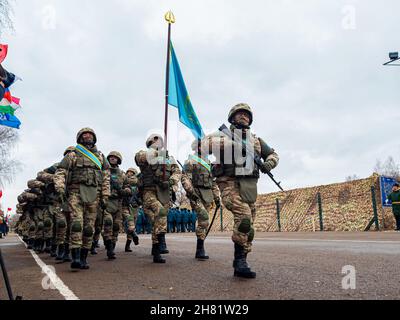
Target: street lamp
[(393, 56)]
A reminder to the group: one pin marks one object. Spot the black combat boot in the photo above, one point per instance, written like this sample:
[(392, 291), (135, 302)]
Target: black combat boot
[(66, 256), (155, 251), (84, 254), (128, 245), (76, 258), (110, 249), (47, 248), (60, 252), (200, 252), (53, 250), (163, 244), (240, 265), (31, 243), (135, 238), (39, 245), (93, 248)]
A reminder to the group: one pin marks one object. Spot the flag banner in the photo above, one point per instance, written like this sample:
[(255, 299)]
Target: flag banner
[(179, 98), (7, 109), (9, 120), (3, 52)]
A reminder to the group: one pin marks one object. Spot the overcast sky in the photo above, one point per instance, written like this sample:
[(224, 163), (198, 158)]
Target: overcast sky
[(311, 70)]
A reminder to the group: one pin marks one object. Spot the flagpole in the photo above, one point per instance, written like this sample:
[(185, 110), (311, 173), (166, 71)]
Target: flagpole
[(169, 17)]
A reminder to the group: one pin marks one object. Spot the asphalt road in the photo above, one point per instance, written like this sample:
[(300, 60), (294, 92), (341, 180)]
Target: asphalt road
[(288, 266)]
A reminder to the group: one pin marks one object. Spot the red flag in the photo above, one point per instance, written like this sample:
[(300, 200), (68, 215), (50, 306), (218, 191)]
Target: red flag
[(3, 52), (1, 193)]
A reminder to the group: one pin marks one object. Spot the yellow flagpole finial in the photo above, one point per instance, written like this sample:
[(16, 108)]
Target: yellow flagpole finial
[(169, 17)]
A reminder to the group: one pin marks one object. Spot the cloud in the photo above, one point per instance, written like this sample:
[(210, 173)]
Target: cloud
[(319, 92)]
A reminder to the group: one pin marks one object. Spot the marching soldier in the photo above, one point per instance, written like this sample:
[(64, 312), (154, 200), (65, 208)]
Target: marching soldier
[(83, 176), (159, 174), (202, 191), (112, 218), (237, 175), (130, 207)]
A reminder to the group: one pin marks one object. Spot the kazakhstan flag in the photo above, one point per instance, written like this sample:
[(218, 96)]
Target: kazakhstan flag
[(178, 97)]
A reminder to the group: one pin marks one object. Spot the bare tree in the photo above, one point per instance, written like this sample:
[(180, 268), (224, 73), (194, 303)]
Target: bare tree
[(5, 15), (352, 178), (8, 165), (388, 169), (8, 136)]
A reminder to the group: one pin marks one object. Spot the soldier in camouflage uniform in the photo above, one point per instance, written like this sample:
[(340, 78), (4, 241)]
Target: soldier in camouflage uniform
[(23, 225), (38, 207), (30, 204), (83, 175), (63, 225), (112, 219), (237, 176), (52, 208), (202, 191), (130, 207), (159, 174), (28, 224)]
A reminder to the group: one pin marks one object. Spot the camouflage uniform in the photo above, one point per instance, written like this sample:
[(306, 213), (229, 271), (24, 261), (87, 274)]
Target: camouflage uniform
[(23, 225), (52, 209), (63, 224), (130, 207), (159, 173), (38, 208), (112, 218), (29, 200), (202, 191), (85, 183), (238, 182)]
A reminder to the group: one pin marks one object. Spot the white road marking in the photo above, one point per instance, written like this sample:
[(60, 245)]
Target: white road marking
[(56, 281)]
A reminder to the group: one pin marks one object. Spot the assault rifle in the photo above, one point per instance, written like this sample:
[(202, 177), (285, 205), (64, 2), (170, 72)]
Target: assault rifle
[(257, 159)]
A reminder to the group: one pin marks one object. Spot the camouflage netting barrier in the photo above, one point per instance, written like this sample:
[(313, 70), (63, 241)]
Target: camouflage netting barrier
[(346, 207)]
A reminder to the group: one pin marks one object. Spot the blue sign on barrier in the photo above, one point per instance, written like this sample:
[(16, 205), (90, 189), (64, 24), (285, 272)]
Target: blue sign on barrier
[(386, 184)]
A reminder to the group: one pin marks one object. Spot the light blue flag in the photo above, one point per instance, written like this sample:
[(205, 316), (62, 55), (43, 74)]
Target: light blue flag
[(9, 120), (178, 97)]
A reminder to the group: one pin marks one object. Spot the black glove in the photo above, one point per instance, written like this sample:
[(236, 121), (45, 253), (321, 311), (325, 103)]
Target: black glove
[(267, 166), (217, 202)]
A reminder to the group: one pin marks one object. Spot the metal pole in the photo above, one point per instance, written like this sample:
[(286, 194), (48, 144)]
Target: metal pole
[(167, 88), (321, 221), (6, 280), (278, 214), (375, 208), (222, 222)]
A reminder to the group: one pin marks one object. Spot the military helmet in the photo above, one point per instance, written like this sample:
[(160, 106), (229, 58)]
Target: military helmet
[(240, 107), (153, 138), (115, 154), (85, 130), (133, 170), (69, 149)]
